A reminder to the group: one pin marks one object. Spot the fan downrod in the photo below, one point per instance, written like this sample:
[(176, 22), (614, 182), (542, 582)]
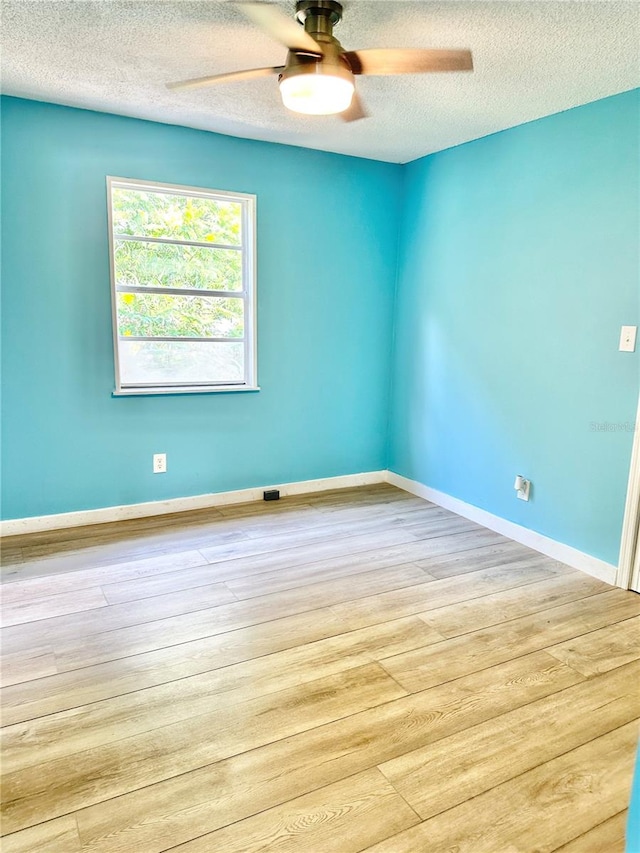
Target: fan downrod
[(319, 16)]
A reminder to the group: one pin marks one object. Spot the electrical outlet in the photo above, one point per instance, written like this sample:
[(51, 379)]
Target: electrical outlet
[(522, 487), (628, 338), (159, 463)]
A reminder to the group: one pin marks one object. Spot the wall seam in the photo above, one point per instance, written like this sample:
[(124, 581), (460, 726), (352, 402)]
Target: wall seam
[(394, 319)]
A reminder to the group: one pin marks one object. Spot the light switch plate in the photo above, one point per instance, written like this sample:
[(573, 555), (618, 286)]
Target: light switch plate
[(628, 338)]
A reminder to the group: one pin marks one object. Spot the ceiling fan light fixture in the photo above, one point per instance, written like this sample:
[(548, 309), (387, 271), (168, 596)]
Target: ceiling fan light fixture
[(318, 75), (318, 93)]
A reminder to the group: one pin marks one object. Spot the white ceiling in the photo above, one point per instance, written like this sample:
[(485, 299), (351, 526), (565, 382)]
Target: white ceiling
[(531, 59)]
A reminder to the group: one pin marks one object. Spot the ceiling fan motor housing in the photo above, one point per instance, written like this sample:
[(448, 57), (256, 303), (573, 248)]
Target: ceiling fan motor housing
[(319, 18)]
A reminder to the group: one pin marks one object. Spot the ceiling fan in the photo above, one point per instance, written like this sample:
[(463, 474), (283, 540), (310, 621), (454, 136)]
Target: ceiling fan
[(318, 75)]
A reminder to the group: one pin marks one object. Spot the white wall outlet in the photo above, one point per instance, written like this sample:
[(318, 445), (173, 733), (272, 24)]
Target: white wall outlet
[(628, 338), (522, 487), (159, 463)]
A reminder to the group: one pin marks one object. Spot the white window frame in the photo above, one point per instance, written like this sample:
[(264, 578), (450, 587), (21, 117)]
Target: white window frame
[(248, 247)]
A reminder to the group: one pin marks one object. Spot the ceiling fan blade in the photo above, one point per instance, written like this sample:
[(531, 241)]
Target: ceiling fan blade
[(249, 74), (407, 60), (280, 27), (355, 111)]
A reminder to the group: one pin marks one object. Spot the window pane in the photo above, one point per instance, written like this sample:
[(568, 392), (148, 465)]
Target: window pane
[(161, 265), (171, 362), (155, 315), (155, 214)]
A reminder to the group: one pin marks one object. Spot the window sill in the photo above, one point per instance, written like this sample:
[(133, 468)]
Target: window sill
[(162, 392)]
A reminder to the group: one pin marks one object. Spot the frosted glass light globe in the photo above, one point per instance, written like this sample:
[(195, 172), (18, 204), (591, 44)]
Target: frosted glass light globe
[(316, 94)]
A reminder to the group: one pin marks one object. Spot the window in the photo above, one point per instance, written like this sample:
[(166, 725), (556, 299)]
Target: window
[(183, 288)]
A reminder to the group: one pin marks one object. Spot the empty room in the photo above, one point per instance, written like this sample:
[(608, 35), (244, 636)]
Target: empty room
[(320, 467)]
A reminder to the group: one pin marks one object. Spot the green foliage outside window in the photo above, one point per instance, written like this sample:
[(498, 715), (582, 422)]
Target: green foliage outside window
[(159, 265), (178, 217)]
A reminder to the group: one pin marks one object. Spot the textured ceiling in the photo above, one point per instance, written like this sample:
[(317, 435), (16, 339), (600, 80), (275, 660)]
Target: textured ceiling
[(531, 59)]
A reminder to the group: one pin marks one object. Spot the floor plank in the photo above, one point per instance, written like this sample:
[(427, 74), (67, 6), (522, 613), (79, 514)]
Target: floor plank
[(602, 650), (505, 552), (59, 604), (237, 566), (62, 732), (421, 668), (154, 819), (303, 635), (458, 768), (152, 625), (26, 666), (468, 616), (51, 584), (396, 603), (607, 837), (284, 535), (538, 810), (338, 819), (100, 771), (237, 637), (51, 625), (311, 571), (55, 836)]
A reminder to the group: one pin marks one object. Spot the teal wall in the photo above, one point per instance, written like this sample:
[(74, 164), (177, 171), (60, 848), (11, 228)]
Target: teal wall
[(519, 263), (632, 844), (327, 238)]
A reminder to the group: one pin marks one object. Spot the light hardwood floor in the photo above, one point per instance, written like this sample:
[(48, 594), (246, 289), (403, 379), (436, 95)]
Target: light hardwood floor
[(349, 671)]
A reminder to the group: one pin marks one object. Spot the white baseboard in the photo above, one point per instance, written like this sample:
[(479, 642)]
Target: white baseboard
[(550, 547), (556, 550), (36, 524)]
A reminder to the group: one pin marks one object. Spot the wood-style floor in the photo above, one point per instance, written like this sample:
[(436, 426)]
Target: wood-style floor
[(349, 671)]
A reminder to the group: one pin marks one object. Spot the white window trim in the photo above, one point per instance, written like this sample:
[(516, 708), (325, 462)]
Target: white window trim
[(249, 277)]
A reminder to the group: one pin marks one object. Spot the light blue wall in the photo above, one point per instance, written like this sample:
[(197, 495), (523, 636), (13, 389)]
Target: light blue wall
[(519, 263), (327, 235)]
